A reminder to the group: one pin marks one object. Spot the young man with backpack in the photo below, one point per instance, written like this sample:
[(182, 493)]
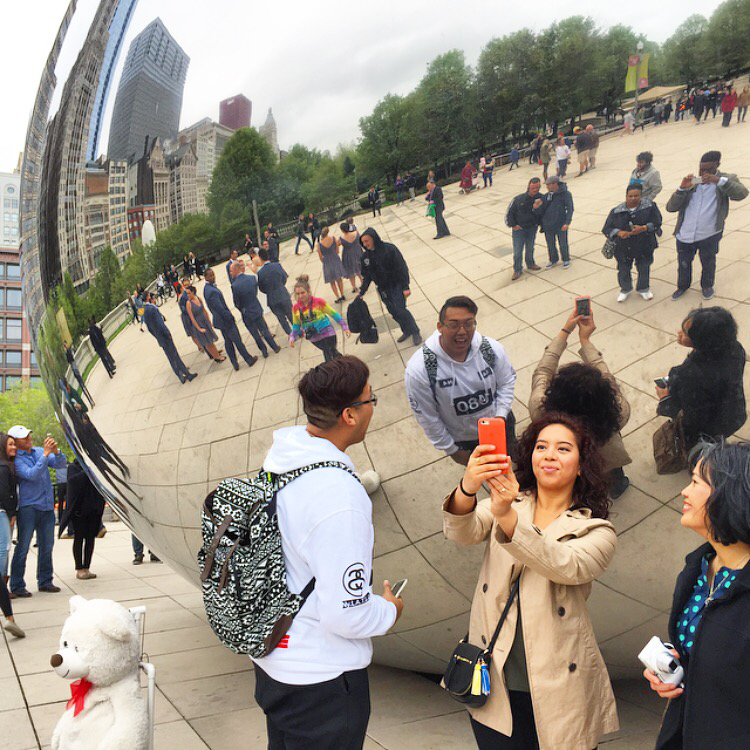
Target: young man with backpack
[(313, 686), (455, 378)]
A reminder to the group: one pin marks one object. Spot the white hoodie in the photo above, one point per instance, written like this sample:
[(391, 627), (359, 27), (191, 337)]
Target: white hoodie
[(325, 519), (465, 392)]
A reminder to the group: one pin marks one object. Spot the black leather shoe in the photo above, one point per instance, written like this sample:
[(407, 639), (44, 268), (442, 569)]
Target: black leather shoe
[(417, 338), (403, 337), (50, 588), (191, 376), (20, 594)]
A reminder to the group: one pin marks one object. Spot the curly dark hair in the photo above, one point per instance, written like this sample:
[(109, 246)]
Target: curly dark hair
[(712, 329), (583, 392), (590, 489)]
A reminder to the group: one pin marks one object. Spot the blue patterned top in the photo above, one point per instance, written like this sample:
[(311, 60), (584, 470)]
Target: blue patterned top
[(687, 623)]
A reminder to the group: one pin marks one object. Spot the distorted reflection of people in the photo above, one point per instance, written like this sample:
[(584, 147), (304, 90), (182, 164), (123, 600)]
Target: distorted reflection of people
[(203, 331)]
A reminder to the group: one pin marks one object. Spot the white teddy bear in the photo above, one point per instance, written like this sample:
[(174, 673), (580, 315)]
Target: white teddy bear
[(100, 650)]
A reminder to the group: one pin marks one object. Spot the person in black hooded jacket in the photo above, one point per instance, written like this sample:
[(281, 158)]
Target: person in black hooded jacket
[(707, 387), (383, 264)]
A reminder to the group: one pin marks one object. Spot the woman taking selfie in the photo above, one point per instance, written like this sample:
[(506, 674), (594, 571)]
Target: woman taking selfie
[(711, 608), (546, 526)]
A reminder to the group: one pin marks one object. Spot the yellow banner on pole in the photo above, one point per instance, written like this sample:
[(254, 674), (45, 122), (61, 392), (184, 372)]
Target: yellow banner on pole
[(637, 72)]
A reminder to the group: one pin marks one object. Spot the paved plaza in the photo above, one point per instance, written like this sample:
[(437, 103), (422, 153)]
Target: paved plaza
[(179, 440)]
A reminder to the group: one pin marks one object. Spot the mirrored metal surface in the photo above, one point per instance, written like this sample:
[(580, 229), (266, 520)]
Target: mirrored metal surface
[(107, 169)]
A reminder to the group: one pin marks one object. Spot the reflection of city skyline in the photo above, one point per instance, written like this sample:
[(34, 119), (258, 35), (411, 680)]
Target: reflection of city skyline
[(92, 200)]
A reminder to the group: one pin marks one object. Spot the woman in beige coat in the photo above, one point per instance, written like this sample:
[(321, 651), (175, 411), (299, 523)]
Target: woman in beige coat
[(587, 391), (549, 687)]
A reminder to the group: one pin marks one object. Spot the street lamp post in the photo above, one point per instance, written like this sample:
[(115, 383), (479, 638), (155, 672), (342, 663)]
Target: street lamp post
[(638, 47)]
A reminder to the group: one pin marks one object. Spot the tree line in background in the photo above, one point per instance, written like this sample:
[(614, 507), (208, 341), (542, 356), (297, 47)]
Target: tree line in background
[(522, 82)]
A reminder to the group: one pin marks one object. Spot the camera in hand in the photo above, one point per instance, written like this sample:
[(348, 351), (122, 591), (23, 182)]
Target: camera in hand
[(657, 657)]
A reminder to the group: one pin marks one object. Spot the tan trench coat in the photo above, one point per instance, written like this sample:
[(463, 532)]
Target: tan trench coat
[(613, 451), (570, 689)]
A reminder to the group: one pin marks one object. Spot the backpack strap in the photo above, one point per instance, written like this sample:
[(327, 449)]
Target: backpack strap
[(279, 481), (431, 365), (488, 352)]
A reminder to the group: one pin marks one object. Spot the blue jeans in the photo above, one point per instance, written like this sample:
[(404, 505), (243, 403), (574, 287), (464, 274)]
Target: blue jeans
[(43, 522), (523, 239), (5, 537), (137, 545), (562, 238)]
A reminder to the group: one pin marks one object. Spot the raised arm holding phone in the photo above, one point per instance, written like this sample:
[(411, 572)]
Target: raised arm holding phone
[(586, 390)]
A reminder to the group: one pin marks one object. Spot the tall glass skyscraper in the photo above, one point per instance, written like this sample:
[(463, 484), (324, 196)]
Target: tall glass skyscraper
[(149, 97), (117, 30)]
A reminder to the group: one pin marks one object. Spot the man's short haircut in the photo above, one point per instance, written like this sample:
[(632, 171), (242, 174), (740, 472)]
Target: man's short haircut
[(534, 181), (646, 156), (263, 254), (552, 179), (634, 185), (459, 301), (711, 156), (726, 467), (330, 387)]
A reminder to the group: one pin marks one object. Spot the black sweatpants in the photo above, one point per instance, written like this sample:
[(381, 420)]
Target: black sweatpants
[(5, 606), (328, 347), (85, 530), (329, 715), (395, 303)]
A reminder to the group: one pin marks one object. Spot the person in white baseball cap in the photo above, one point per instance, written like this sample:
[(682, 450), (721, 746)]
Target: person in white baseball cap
[(36, 509)]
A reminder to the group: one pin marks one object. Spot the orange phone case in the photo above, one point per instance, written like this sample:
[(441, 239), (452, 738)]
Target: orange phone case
[(492, 432)]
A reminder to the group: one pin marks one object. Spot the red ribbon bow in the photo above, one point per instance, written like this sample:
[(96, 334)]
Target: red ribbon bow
[(78, 691)]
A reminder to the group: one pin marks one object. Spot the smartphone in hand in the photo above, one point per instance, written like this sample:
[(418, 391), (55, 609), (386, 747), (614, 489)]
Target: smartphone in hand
[(492, 432), (399, 586), (583, 306), (662, 382)]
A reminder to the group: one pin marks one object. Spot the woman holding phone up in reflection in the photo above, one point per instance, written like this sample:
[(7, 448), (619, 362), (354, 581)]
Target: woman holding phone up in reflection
[(711, 608), (549, 687)]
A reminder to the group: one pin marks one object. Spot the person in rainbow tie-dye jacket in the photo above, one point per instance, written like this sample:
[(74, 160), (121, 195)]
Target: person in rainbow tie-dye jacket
[(312, 318)]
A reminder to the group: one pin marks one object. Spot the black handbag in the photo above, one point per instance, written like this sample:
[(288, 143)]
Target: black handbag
[(467, 676), (608, 249)]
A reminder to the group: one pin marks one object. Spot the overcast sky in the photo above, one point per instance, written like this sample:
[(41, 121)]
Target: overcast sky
[(321, 66)]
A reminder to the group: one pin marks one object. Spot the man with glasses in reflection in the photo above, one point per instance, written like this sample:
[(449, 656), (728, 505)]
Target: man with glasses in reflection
[(457, 377)]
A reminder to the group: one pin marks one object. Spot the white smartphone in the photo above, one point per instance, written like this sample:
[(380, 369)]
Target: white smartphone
[(398, 587)]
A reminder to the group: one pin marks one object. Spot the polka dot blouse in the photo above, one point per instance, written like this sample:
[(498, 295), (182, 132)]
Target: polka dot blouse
[(688, 621)]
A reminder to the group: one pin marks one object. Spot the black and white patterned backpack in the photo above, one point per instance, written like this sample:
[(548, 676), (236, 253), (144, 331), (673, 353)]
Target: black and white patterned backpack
[(245, 594)]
